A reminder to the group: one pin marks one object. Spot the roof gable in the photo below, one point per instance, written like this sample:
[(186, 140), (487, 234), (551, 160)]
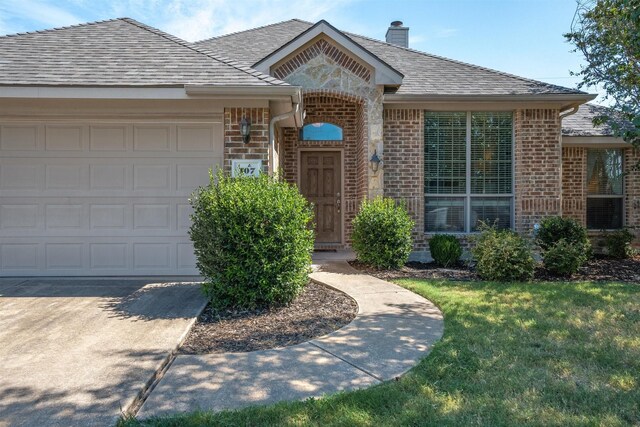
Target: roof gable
[(425, 75), (383, 73), (116, 53)]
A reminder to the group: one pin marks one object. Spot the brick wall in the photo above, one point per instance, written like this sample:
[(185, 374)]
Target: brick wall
[(258, 147), (404, 164), (574, 179), (344, 112), (538, 165), (632, 190)]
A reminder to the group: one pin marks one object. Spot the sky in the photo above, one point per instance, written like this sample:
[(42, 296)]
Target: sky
[(522, 37)]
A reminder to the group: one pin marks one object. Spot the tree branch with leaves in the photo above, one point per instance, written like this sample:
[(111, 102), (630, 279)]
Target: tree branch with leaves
[(607, 33)]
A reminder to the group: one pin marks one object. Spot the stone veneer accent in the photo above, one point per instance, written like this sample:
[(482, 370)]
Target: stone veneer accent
[(330, 51), (538, 165), (574, 183), (348, 113), (258, 146), (323, 74)]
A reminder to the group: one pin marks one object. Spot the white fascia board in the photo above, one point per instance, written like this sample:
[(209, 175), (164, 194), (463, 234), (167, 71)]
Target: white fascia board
[(285, 92), (384, 74), (417, 98), (595, 141), (75, 92)]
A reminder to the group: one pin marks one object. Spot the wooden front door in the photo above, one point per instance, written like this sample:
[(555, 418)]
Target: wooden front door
[(321, 184)]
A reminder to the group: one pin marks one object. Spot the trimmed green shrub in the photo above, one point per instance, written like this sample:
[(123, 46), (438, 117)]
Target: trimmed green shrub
[(555, 228), (618, 244), (252, 240), (382, 233), (564, 243), (445, 249), (502, 255), (564, 258)]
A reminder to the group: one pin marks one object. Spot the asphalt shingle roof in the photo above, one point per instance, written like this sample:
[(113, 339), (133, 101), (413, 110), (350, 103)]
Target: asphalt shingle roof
[(118, 52), (425, 74), (581, 123)]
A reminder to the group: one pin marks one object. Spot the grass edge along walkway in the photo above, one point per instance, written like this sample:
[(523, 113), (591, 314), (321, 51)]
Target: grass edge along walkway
[(560, 353)]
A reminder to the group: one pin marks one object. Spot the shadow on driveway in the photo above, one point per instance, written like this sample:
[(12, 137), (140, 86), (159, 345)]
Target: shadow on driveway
[(78, 351)]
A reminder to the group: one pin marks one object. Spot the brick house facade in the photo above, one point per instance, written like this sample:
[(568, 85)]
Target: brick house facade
[(98, 159), (341, 86)]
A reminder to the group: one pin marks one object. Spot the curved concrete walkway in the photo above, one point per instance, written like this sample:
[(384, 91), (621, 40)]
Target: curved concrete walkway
[(394, 328)]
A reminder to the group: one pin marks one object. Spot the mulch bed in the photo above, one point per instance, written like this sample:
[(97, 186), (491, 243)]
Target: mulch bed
[(597, 269), (317, 311)]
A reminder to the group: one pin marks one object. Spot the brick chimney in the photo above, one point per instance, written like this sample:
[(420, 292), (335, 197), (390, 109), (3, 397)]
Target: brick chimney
[(397, 34)]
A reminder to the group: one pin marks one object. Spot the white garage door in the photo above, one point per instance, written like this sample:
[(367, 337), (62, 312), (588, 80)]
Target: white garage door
[(101, 198)]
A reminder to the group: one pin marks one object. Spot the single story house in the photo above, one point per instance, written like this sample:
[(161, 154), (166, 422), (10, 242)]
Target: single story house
[(106, 128)]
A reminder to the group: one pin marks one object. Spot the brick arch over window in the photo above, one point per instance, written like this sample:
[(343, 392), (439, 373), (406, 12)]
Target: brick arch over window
[(331, 51), (348, 112)]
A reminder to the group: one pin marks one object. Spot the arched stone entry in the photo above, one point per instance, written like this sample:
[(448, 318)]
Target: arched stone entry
[(349, 183)]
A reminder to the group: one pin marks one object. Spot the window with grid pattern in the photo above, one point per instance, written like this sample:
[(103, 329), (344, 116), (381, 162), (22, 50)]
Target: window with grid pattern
[(605, 184), (468, 170)]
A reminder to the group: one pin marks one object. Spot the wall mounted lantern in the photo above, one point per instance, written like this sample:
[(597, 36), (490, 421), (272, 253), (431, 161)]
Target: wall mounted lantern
[(245, 130), (375, 161)]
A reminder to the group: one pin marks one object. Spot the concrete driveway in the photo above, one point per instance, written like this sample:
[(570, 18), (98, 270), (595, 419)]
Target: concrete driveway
[(78, 351)]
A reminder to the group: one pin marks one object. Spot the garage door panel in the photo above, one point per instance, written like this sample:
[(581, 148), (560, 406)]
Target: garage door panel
[(18, 216), (17, 256), (21, 176), (19, 137), (108, 138), (152, 138), (101, 199), (64, 138)]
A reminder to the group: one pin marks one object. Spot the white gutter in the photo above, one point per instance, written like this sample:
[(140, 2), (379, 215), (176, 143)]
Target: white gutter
[(391, 98), (272, 129), (283, 92), (574, 109), (270, 93)]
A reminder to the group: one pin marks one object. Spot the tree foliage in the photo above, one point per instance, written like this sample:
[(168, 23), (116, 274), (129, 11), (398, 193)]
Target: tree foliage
[(607, 33)]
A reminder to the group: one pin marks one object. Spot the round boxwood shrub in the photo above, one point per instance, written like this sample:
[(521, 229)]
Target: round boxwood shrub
[(618, 244), (252, 240), (564, 258), (445, 249), (502, 255), (555, 228), (382, 233)]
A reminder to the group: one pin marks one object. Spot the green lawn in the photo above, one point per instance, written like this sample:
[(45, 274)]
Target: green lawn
[(517, 354)]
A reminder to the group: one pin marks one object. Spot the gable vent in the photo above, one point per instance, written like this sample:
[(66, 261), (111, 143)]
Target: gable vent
[(397, 34)]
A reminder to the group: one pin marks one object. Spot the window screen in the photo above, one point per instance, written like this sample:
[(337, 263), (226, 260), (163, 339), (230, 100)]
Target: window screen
[(491, 153), (468, 170), (444, 153), (605, 184)]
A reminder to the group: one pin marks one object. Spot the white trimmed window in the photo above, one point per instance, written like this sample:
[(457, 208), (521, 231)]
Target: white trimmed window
[(605, 184), (468, 170)]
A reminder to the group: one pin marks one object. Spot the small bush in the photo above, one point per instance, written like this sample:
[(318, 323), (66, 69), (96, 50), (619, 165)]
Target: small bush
[(502, 255), (445, 249), (564, 258), (618, 244), (556, 228), (252, 240), (382, 233)]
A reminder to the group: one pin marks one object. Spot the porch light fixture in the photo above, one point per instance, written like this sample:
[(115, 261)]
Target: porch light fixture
[(375, 161), (245, 130)]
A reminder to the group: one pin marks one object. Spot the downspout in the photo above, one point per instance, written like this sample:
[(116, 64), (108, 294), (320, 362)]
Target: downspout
[(272, 130), (562, 116)]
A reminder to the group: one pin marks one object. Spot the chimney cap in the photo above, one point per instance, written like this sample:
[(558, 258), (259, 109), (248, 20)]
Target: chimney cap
[(396, 24)]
